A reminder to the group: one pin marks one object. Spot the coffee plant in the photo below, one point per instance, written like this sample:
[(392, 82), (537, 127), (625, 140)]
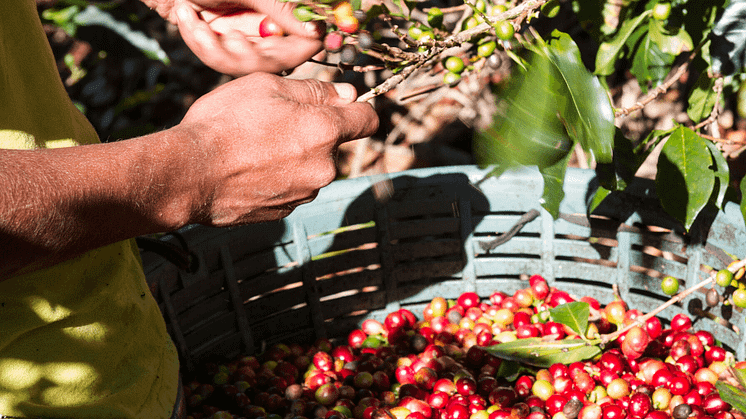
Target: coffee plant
[(554, 101)]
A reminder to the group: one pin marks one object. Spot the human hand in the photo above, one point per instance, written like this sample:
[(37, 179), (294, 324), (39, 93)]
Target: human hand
[(262, 145), (224, 34)]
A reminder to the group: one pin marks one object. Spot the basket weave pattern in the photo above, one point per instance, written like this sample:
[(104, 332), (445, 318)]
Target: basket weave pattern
[(348, 256)]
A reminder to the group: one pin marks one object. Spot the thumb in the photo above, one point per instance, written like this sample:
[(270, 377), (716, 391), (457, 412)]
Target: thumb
[(315, 92)]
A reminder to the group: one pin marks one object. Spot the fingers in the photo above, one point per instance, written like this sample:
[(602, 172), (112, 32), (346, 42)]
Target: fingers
[(282, 13), (236, 54)]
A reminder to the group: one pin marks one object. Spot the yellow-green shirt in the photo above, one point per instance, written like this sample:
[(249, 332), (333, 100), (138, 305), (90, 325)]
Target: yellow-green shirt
[(83, 339)]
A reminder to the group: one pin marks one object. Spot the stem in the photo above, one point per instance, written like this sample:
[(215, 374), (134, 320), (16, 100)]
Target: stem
[(677, 298), (437, 47), (662, 88)]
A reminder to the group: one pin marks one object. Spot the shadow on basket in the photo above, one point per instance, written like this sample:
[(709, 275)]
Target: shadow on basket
[(342, 258), (348, 256)]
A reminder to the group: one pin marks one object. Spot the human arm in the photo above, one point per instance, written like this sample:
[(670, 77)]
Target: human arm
[(250, 151), (224, 34)]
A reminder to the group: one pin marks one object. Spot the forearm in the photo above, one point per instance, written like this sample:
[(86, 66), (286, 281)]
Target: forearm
[(58, 203)]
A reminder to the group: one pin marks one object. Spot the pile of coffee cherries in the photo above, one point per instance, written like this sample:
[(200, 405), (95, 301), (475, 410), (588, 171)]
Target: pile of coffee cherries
[(439, 366)]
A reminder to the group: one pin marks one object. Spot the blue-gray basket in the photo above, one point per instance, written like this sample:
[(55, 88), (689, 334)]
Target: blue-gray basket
[(348, 256)]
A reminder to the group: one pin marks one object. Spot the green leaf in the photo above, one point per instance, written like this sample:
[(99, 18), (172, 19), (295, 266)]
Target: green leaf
[(609, 51), (685, 178), (732, 395), (702, 99), (597, 198), (740, 374), (356, 4), (573, 315), (554, 102), (649, 63), (722, 173), (527, 128), (511, 370), (554, 177), (305, 14), (543, 353), (588, 115), (670, 40), (728, 36)]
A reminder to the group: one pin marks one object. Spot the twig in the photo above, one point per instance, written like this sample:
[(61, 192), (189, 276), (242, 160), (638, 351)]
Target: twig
[(677, 298), (459, 8), (662, 88), (718, 88), (389, 83), (454, 40), (721, 140)]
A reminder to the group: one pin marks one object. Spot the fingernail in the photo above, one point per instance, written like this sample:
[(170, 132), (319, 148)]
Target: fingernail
[(345, 91), (182, 13), (312, 28)]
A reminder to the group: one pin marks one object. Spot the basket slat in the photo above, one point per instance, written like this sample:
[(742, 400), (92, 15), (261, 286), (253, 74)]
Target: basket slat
[(347, 256)]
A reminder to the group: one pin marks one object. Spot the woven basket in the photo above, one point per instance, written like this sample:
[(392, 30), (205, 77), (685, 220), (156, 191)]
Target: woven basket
[(348, 256)]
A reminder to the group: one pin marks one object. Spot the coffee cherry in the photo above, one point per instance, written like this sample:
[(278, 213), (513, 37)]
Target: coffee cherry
[(468, 299), (542, 389), (640, 405), (615, 311), (416, 31), (360, 15), (723, 277), (435, 17), (613, 411), (712, 298), (268, 27), (365, 40), (739, 297), (618, 388), (681, 322), (347, 24), (333, 41), (670, 285), (504, 30), (555, 404), (635, 342), (713, 404), (654, 327), (348, 54), (661, 11), (497, 9), (681, 411), (454, 65)]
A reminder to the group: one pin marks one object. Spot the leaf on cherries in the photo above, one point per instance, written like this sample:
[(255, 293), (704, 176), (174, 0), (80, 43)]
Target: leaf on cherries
[(732, 395), (543, 353), (573, 315)]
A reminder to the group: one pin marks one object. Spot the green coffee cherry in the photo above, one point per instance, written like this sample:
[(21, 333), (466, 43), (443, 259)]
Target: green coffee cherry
[(504, 30), (486, 49), (454, 64), (723, 277), (435, 17), (451, 77), (670, 285)]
